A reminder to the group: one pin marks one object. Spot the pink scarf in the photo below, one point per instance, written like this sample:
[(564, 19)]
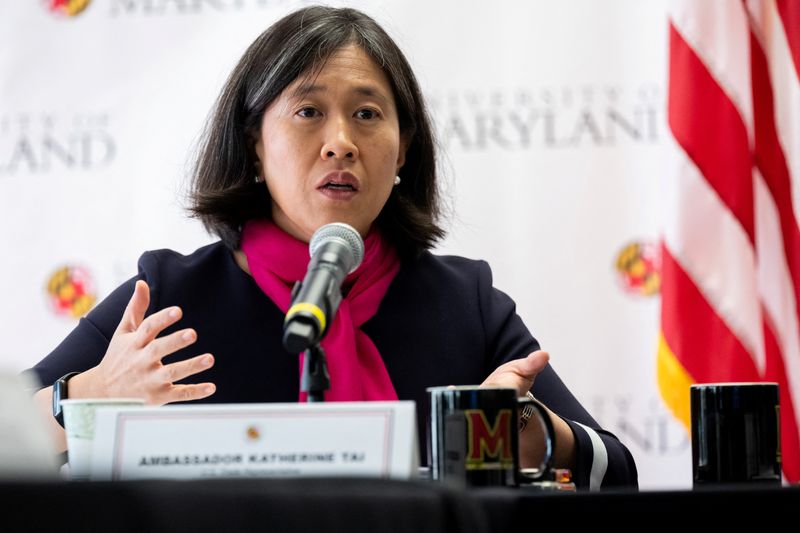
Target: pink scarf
[(277, 260)]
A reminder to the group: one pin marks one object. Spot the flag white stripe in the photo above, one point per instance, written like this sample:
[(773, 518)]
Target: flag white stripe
[(775, 287), (712, 247), (720, 36), (713, 243), (770, 32), (786, 91)]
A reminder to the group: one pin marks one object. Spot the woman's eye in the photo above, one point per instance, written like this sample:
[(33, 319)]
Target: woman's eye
[(308, 112), (366, 114)]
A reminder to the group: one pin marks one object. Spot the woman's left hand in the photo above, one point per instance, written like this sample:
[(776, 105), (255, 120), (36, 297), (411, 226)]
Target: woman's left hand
[(518, 374)]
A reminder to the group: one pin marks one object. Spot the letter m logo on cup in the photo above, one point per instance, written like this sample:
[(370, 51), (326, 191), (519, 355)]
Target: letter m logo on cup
[(489, 445)]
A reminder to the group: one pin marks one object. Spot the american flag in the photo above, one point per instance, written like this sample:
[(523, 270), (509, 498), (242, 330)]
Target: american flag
[(731, 241)]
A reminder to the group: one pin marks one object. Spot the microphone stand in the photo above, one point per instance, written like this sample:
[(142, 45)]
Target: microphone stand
[(335, 249), (315, 380)]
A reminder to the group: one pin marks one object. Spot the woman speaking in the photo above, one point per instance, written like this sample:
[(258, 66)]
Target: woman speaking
[(321, 121)]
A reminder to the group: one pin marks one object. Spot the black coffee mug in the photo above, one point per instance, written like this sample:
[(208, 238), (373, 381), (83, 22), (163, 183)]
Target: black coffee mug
[(735, 433), (473, 436)]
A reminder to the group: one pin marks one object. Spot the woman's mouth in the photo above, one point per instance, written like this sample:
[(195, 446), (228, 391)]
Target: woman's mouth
[(339, 185)]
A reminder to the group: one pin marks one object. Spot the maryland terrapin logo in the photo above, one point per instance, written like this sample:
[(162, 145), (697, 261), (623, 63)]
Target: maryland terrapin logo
[(70, 291), (489, 444), (252, 433), (637, 266), (66, 8)]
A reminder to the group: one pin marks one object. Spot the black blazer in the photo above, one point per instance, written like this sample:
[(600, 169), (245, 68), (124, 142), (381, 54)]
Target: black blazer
[(440, 323)]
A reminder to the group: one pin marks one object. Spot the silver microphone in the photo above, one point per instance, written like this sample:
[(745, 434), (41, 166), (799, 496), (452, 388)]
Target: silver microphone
[(336, 249)]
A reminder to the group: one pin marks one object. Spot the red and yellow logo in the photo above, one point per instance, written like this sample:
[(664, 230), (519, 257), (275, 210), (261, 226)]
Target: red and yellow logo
[(252, 433), (66, 8), (489, 445), (70, 291), (637, 266)]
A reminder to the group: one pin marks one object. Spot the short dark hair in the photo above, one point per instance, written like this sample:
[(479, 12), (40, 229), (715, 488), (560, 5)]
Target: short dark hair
[(224, 194)]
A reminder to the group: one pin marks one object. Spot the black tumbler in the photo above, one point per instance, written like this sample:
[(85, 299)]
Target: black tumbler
[(735, 433), (473, 435)]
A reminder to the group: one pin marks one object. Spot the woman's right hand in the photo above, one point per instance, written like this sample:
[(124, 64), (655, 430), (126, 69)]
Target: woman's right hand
[(132, 366)]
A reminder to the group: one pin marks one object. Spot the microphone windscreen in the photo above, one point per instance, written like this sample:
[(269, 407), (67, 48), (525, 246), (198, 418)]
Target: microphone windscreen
[(341, 233)]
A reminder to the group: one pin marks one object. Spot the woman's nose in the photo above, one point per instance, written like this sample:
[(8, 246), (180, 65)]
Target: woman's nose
[(339, 142)]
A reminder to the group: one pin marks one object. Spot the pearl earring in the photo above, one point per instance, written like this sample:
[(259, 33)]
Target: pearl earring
[(396, 180)]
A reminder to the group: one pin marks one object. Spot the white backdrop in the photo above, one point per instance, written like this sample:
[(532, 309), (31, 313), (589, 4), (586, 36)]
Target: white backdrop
[(551, 116)]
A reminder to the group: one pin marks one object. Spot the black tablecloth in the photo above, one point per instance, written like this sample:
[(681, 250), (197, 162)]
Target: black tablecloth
[(332, 505)]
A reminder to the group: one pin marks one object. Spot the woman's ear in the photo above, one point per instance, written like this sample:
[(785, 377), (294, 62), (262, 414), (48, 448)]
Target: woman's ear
[(405, 142), (257, 150), (254, 142)]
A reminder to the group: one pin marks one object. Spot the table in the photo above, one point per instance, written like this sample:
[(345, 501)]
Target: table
[(347, 504)]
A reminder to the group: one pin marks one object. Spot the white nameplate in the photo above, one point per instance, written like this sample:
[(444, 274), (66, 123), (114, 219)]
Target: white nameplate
[(377, 439)]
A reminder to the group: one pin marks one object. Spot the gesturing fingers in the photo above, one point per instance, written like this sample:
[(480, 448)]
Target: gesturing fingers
[(163, 389), (132, 365), (531, 365), (519, 373), (183, 369), (136, 308), (185, 393), (156, 323), (169, 344)]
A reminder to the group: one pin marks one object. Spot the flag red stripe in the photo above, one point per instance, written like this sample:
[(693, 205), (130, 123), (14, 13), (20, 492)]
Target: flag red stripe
[(790, 438), (700, 340), (771, 161), (789, 11), (709, 128)]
